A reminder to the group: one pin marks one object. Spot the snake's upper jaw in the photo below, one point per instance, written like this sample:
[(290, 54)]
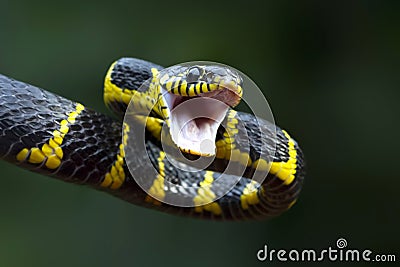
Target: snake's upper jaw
[(194, 122)]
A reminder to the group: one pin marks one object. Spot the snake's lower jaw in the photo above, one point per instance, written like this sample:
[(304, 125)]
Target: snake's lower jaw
[(194, 125)]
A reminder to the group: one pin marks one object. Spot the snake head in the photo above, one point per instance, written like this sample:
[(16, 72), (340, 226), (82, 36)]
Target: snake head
[(197, 98)]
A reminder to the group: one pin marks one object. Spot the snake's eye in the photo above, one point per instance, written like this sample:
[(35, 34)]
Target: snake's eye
[(193, 74), (209, 77)]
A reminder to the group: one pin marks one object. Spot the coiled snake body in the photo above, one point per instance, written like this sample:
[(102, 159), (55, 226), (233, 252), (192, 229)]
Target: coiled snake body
[(57, 137)]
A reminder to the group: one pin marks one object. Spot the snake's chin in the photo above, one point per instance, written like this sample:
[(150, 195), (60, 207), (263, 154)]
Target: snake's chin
[(194, 121)]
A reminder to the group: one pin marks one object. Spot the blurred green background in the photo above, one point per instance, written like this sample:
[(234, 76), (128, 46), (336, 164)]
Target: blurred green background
[(330, 72)]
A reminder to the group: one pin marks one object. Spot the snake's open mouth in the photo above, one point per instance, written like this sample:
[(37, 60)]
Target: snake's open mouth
[(194, 121)]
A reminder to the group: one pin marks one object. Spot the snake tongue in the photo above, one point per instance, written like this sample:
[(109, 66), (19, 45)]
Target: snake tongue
[(194, 125)]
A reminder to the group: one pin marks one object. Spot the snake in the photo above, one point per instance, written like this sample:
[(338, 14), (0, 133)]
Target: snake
[(49, 134)]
